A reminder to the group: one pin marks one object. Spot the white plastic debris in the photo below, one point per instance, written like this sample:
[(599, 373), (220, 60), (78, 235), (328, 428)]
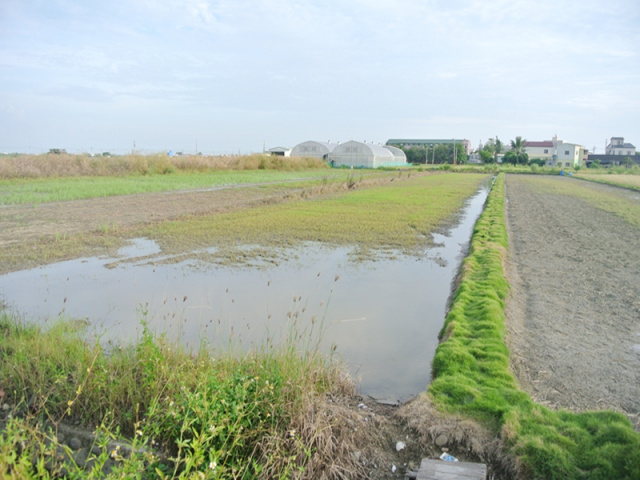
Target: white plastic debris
[(393, 469), (448, 458), (400, 446)]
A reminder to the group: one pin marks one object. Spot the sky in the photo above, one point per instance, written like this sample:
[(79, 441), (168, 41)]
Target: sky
[(238, 76)]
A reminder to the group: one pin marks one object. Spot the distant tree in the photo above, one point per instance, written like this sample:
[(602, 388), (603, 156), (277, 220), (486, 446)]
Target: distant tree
[(498, 148), (415, 154), (517, 145), (627, 162), (435, 154), (486, 156), (537, 161), (518, 148), (444, 153), (510, 157)]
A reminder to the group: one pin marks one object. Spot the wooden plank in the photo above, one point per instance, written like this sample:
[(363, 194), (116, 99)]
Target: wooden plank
[(441, 470)]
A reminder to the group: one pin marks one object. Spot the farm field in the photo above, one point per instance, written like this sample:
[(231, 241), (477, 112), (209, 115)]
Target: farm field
[(575, 293), (571, 312), (628, 181)]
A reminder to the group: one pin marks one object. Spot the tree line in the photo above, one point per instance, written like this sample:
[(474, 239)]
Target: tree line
[(435, 154), (515, 155)]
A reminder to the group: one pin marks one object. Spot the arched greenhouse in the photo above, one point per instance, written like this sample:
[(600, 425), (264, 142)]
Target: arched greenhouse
[(366, 155), (314, 149)]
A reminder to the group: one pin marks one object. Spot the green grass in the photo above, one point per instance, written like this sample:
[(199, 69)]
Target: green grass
[(472, 377), (211, 414), (43, 190), (398, 215)]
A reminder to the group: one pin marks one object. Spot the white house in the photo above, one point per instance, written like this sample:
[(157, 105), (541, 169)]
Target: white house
[(280, 151), (556, 152), (618, 147)]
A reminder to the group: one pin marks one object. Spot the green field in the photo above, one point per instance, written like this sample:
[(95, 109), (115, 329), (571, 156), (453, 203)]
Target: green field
[(398, 215)]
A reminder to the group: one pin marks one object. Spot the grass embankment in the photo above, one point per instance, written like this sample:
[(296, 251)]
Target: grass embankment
[(472, 377), (208, 416)]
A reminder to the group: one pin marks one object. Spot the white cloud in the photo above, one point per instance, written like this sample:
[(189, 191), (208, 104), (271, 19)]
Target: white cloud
[(373, 64)]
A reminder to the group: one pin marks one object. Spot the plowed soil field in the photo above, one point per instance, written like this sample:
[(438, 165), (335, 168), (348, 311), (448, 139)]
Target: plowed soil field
[(573, 315)]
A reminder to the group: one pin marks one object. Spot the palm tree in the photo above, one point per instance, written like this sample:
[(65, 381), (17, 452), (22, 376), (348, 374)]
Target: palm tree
[(498, 147), (517, 145)]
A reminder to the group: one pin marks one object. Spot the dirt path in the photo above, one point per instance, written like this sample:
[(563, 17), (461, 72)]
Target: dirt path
[(573, 315), (24, 222)]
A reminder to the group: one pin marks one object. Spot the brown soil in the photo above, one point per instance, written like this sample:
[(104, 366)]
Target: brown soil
[(573, 314), (30, 222)]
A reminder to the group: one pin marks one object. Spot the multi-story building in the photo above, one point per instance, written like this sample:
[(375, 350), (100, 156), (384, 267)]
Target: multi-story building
[(556, 152), (618, 147)]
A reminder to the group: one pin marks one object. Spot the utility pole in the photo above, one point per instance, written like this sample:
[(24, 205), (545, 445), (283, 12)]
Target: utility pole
[(454, 151)]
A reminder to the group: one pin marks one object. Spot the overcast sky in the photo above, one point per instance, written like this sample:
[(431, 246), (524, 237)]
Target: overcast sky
[(232, 76)]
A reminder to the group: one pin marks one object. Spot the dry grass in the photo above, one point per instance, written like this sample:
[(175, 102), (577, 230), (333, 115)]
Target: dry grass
[(463, 433), (623, 180), (65, 165)]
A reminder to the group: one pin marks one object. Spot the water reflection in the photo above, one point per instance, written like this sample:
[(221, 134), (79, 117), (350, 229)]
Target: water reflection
[(383, 317)]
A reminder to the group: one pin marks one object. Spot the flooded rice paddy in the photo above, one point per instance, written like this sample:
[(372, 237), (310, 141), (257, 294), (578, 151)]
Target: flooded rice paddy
[(382, 317)]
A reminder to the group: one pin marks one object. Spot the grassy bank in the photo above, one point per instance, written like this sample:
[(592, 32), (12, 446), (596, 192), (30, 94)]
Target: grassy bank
[(204, 414), (472, 377)]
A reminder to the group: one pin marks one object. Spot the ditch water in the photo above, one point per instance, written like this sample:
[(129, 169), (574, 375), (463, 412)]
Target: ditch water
[(383, 317)]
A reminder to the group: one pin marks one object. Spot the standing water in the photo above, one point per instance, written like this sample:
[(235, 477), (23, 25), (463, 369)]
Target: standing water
[(383, 317)]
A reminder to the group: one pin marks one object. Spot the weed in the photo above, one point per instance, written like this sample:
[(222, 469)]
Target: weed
[(224, 417)]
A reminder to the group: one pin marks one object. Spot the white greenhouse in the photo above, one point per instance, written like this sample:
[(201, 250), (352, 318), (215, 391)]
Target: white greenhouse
[(366, 155), (314, 149)]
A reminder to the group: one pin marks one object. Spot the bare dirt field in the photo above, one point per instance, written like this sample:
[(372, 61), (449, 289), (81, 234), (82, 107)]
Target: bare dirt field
[(573, 314)]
